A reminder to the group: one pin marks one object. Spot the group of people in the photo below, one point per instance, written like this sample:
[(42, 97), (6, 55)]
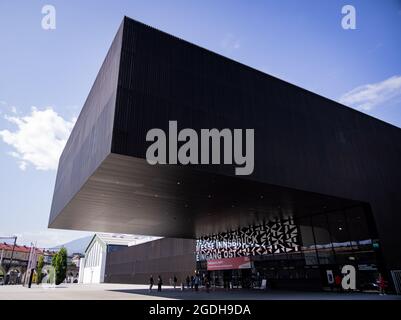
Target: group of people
[(160, 282), (192, 282)]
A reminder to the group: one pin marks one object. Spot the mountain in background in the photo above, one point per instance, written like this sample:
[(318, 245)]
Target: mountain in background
[(79, 245), (75, 246)]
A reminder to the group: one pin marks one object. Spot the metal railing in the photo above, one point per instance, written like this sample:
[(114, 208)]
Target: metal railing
[(396, 274)]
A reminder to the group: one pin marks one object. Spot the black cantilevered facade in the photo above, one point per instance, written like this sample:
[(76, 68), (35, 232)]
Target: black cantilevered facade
[(312, 155)]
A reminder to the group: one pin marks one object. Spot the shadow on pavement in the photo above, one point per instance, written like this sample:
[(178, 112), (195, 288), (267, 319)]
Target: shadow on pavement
[(242, 294)]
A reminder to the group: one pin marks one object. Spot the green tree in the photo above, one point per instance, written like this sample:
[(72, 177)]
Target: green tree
[(59, 262), (41, 263)]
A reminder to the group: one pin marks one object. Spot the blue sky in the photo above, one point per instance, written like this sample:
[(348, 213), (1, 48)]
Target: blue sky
[(301, 42)]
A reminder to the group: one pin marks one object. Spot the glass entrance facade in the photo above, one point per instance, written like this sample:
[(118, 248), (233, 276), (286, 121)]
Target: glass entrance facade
[(310, 258)]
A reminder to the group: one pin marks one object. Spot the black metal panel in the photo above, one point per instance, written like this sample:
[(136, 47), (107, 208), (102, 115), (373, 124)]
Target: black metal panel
[(90, 140), (303, 141)]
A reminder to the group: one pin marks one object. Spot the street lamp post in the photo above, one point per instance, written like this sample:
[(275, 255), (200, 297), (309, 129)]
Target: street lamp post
[(12, 254)]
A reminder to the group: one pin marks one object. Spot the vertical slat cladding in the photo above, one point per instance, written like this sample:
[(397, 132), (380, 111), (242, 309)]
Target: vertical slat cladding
[(164, 78), (303, 141), (90, 140)]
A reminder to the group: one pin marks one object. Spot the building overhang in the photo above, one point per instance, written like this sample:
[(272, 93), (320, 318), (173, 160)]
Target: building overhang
[(128, 195)]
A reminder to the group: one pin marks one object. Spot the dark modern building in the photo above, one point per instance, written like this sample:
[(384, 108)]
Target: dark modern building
[(326, 185)]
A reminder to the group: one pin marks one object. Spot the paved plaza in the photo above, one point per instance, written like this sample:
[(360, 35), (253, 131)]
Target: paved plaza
[(141, 292)]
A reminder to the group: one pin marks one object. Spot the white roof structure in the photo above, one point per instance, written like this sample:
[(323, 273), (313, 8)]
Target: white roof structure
[(116, 239), (142, 239), (121, 239)]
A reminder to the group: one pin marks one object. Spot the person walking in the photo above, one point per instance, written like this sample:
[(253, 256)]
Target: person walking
[(175, 281), (188, 281), (207, 284), (382, 285), (192, 282), (151, 282), (337, 280), (159, 283), (197, 281)]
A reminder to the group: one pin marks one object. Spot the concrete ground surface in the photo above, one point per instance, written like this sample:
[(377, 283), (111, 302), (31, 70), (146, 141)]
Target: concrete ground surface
[(141, 292)]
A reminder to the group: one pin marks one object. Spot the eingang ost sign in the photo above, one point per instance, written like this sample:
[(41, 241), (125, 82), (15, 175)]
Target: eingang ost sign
[(229, 264)]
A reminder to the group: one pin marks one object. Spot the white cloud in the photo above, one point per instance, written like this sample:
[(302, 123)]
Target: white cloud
[(368, 96), (22, 165), (39, 138), (14, 109), (230, 42)]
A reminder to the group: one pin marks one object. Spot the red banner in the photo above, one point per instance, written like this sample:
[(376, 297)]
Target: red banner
[(229, 264)]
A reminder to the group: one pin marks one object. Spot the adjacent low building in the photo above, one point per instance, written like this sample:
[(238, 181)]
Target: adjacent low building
[(166, 257), (92, 267), (16, 256)]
